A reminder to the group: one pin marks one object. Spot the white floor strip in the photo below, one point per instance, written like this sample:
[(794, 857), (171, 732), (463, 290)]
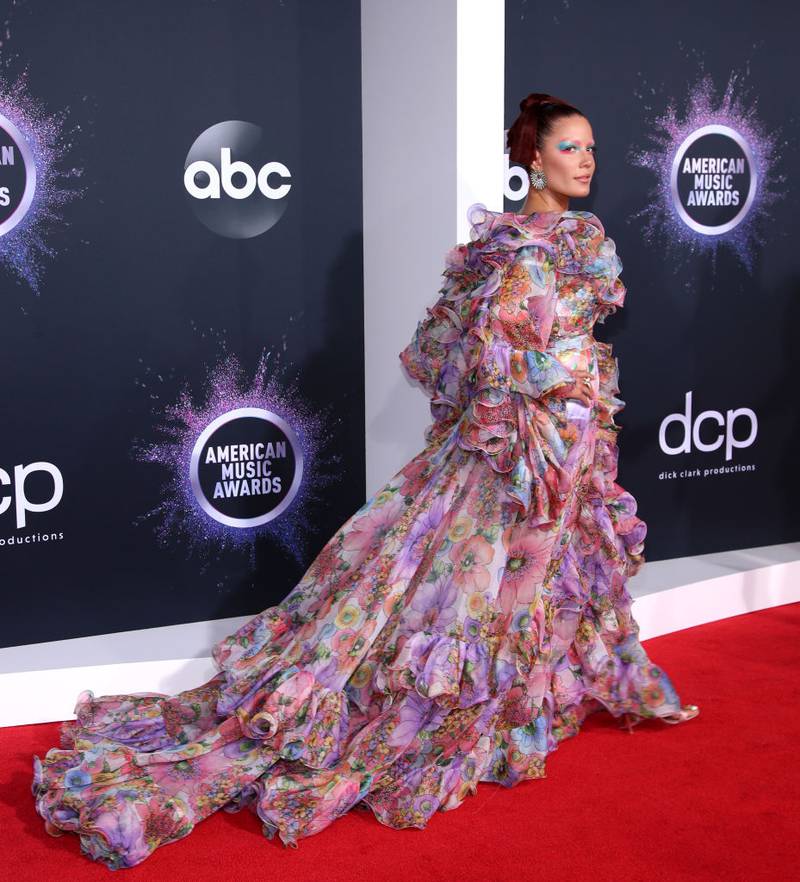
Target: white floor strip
[(719, 598), (38, 696)]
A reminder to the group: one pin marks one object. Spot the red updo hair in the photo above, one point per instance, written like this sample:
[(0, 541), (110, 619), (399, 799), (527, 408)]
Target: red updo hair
[(538, 112)]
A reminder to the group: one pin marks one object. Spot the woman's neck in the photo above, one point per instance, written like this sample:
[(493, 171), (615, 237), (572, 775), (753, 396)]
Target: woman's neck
[(538, 202)]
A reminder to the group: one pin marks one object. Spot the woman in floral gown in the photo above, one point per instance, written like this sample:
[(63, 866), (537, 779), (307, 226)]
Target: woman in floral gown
[(465, 620)]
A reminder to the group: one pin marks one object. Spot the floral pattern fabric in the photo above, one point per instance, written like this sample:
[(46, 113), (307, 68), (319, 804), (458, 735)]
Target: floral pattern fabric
[(455, 629)]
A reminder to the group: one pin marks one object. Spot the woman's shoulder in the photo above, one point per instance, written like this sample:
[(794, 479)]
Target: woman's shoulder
[(574, 240), (483, 220)]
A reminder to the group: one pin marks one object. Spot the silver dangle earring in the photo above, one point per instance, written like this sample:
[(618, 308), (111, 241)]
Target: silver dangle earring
[(538, 179)]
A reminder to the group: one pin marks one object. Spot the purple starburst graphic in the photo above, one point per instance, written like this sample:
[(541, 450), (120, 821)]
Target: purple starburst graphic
[(26, 249), (179, 515), (734, 111)]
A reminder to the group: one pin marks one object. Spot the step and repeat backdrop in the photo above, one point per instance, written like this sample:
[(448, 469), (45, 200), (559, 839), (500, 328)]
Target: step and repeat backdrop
[(181, 287), (696, 130), (181, 317)]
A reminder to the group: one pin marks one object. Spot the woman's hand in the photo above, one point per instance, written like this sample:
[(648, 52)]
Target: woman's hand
[(580, 388)]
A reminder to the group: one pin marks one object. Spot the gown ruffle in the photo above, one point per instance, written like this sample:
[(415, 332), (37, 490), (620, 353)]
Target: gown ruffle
[(456, 628)]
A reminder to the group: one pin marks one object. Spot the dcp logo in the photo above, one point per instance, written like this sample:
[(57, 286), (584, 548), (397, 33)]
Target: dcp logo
[(235, 188), (17, 176), (713, 179), (30, 481), (691, 428), (246, 467)]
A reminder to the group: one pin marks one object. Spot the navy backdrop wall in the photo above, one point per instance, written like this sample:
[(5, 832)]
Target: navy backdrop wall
[(705, 343), (182, 336)]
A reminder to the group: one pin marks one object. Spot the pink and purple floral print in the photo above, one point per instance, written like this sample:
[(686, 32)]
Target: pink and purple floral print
[(455, 629)]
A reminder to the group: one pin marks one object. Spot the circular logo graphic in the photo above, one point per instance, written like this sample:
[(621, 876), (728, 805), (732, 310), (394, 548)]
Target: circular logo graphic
[(713, 179), (234, 188), (246, 467), (17, 176)]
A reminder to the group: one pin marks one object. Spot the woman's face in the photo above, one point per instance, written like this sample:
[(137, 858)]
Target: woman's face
[(567, 156)]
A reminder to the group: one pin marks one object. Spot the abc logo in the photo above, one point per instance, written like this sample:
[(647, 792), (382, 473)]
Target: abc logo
[(692, 427), (515, 178), (234, 189), (30, 480)]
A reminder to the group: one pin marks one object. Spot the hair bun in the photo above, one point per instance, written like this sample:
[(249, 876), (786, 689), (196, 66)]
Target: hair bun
[(535, 100)]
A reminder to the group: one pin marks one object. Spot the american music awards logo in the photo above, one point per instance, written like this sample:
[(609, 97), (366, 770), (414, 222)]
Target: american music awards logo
[(18, 170), (715, 172), (244, 459), (714, 179), (36, 182), (246, 467)]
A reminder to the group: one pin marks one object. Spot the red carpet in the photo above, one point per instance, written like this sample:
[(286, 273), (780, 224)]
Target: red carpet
[(716, 798)]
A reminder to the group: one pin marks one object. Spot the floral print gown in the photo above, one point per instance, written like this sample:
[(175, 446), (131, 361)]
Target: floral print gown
[(455, 629)]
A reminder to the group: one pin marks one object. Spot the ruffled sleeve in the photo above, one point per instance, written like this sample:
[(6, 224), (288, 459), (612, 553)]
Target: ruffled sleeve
[(510, 370), (435, 357), (492, 321), (481, 351), (513, 329), (608, 266)]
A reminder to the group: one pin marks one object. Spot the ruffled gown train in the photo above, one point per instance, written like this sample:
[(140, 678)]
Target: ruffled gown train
[(455, 629)]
